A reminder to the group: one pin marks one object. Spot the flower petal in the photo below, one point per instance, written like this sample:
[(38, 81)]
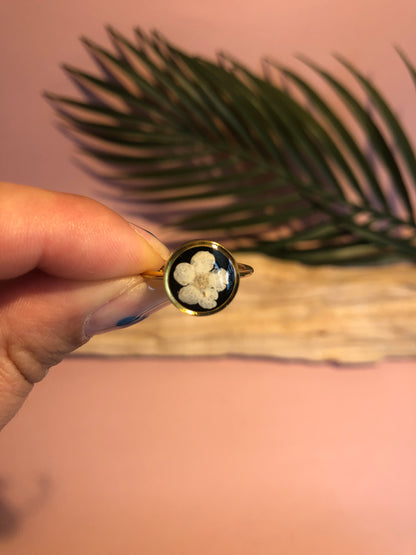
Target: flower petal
[(219, 280), (184, 273), (203, 261), (189, 295), (208, 298)]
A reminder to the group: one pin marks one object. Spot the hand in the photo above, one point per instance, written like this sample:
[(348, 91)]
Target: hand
[(69, 268)]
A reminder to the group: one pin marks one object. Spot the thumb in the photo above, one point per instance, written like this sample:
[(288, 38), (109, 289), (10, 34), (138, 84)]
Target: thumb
[(63, 266), (44, 318)]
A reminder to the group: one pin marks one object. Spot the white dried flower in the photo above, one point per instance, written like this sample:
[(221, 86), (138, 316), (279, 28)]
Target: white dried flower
[(200, 280)]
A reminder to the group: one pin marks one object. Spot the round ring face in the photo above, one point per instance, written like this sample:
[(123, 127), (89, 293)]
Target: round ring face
[(201, 278)]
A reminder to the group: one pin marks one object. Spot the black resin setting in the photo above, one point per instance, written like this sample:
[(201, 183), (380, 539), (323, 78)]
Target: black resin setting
[(201, 278)]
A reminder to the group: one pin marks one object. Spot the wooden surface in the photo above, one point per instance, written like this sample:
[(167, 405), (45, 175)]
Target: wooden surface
[(288, 311)]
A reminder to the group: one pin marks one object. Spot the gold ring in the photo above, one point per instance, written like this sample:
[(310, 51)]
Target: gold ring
[(201, 277)]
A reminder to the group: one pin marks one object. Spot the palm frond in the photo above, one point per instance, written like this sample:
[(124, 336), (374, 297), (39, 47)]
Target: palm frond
[(239, 158)]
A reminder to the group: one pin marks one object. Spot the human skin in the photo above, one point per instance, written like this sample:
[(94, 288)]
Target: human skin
[(69, 268)]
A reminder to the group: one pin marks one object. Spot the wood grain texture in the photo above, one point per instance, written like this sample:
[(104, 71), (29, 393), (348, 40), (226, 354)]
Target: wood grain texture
[(288, 311)]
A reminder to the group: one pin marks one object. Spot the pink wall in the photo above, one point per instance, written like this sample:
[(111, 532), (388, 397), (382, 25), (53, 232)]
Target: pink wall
[(184, 457)]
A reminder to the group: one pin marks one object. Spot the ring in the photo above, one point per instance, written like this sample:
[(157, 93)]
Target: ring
[(201, 277)]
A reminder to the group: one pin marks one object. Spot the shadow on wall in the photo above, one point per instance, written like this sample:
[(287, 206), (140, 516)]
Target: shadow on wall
[(12, 516)]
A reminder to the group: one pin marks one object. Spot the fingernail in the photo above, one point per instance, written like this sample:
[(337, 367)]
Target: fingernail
[(153, 241), (136, 302)]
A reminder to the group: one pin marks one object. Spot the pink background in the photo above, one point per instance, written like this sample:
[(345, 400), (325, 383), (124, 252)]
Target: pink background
[(194, 456)]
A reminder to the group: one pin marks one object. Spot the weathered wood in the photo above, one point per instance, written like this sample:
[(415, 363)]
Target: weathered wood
[(289, 311)]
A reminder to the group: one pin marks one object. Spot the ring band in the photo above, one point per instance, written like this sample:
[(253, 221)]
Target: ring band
[(201, 277)]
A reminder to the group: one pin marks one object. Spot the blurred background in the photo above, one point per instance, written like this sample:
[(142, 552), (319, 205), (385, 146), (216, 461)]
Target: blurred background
[(202, 456)]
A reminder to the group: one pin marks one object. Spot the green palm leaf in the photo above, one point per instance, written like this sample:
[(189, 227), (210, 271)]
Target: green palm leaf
[(217, 150)]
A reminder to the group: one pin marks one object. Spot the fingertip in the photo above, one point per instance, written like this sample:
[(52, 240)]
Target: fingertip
[(161, 249)]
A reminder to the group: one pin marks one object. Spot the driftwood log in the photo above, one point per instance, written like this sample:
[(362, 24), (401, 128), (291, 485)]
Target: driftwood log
[(288, 311)]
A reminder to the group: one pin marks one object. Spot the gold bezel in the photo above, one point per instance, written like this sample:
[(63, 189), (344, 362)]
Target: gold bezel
[(213, 245)]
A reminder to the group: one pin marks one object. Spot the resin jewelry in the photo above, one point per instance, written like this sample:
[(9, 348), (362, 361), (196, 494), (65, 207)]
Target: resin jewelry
[(201, 277)]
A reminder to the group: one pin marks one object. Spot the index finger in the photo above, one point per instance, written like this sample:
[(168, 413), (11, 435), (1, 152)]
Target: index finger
[(68, 236)]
